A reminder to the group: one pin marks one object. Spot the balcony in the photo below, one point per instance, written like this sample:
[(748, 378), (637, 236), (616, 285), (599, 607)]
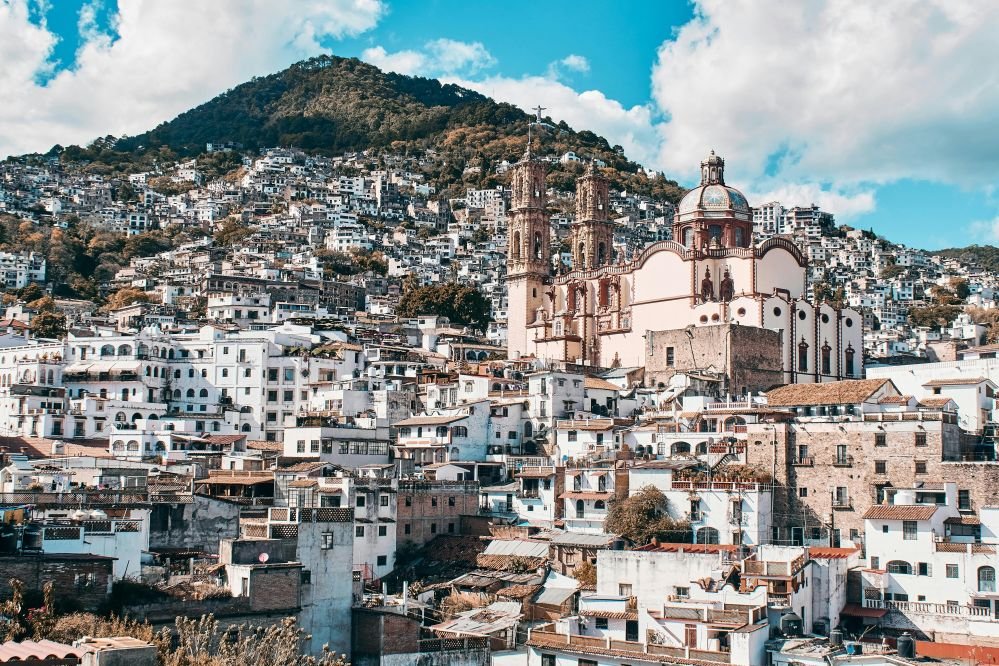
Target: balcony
[(843, 461), (803, 461), (544, 637), (842, 503), (922, 607)]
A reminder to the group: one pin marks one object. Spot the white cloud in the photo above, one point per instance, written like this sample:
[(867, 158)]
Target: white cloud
[(983, 231), (439, 57), (632, 128), (571, 63), (847, 92), (168, 57)]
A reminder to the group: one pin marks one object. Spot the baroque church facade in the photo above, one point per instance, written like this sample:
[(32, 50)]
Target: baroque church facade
[(710, 274)]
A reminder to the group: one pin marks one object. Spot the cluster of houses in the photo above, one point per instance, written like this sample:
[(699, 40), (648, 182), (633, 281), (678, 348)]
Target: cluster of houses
[(406, 488)]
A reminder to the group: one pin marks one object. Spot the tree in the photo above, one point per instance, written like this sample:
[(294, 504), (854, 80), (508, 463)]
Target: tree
[(960, 288), (124, 297), (462, 304), (49, 325), (231, 232), (586, 574), (645, 516)]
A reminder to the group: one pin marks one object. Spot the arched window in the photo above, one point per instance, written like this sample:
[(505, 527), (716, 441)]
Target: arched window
[(190, 393), (161, 446), (715, 233), (602, 483), (152, 417), (459, 431), (203, 393), (688, 236), (442, 431), (826, 359), (190, 372), (802, 355), (528, 430), (120, 417), (142, 349), (899, 567), (680, 448), (124, 350), (580, 508), (107, 350), (216, 426), (599, 504), (707, 535), (136, 416), (149, 371), (176, 393), (986, 579), (245, 427), (537, 245), (132, 445), (515, 247), (601, 254), (740, 240), (848, 353)]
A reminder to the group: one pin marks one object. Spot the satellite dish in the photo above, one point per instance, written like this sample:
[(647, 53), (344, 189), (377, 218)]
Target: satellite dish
[(263, 557)]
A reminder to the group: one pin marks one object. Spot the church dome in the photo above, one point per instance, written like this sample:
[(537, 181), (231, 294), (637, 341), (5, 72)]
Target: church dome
[(713, 197)]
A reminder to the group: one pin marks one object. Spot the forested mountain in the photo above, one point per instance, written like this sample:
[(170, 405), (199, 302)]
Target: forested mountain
[(982, 256), (331, 105)]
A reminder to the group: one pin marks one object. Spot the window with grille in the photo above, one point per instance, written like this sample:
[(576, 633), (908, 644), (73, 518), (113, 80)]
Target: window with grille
[(909, 529)]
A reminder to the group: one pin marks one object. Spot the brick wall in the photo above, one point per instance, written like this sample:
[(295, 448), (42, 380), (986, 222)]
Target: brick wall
[(87, 579), (426, 510), (273, 588)]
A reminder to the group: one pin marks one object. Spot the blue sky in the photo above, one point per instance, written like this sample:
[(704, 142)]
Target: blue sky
[(882, 114)]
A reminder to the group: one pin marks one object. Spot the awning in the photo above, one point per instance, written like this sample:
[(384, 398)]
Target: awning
[(856, 610)]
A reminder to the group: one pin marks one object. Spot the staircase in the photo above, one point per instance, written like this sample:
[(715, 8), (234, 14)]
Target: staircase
[(724, 460)]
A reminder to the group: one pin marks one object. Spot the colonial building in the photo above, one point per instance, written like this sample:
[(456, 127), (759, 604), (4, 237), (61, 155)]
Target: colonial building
[(600, 311)]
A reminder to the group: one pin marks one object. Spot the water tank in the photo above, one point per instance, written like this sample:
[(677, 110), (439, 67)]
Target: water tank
[(854, 648), (79, 515), (8, 539), (906, 646), (97, 514), (31, 538), (836, 637), (790, 624)]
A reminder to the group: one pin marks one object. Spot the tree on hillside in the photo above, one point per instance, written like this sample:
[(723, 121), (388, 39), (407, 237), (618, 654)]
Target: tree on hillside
[(462, 304), (49, 325), (644, 516), (124, 297), (231, 232)]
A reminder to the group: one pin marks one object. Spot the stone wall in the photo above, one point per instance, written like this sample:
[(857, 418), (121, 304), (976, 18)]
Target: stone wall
[(806, 478), (84, 578), (751, 357)]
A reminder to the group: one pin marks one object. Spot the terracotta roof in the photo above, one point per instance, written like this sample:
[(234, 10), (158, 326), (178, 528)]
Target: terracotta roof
[(957, 381), (28, 651), (304, 466), (610, 615), (935, 402), (828, 553), (963, 520), (897, 512), (40, 447), (303, 483), (223, 439), (895, 400), (235, 480), (847, 392), (597, 383), (588, 424)]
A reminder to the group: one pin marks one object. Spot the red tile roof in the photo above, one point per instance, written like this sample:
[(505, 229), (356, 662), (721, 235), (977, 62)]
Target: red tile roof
[(828, 553), (894, 512)]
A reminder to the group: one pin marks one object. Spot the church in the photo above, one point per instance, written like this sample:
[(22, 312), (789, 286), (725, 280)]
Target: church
[(602, 312)]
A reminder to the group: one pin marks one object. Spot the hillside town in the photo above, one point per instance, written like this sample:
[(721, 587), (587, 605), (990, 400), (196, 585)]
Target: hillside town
[(703, 432)]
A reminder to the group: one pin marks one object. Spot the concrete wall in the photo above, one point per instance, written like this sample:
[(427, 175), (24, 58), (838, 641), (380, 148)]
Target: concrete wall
[(196, 526)]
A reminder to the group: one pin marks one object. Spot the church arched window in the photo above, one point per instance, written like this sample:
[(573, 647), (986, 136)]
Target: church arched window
[(715, 233), (515, 249), (688, 236), (849, 354), (601, 254), (537, 245), (826, 359), (740, 240), (802, 356)]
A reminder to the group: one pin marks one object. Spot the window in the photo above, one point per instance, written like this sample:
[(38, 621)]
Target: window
[(803, 356), (875, 562), (383, 500), (382, 530), (409, 500), (306, 577), (899, 567), (548, 660), (571, 435), (924, 569), (920, 467), (670, 356), (909, 530), (802, 492), (272, 374), (300, 446), (952, 571), (289, 375), (600, 623), (624, 589), (433, 501), (880, 439), (327, 542), (964, 500), (880, 466), (450, 501), (359, 531), (681, 592), (986, 579), (360, 501), (920, 439), (433, 528), (407, 528), (382, 560)]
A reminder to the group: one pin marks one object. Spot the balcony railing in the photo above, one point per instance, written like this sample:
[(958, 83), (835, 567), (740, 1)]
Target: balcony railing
[(546, 638), (922, 607), (843, 461), (803, 461), (843, 503)]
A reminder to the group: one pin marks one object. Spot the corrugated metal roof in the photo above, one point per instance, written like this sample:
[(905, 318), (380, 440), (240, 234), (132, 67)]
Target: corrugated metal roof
[(517, 547), (554, 596)]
